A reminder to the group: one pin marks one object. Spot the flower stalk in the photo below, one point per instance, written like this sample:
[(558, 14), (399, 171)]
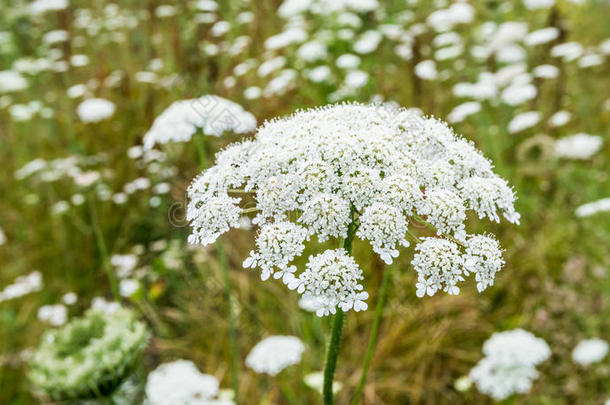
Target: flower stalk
[(370, 350), (337, 328)]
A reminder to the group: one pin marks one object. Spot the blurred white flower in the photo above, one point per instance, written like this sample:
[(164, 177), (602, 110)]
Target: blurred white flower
[(212, 114), (546, 71), (517, 94), (124, 264), (347, 61), (56, 315), (12, 81), (252, 93), (426, 70), (128, 287), (283, 39), (445, 19), (590, 351), (462, 384), (592, 208), (79, 60), (560, 118), (21, 286), (76, 91), (92, 353), (356, 79), (55, 36), (312, 51), (460, 112), (523, 121), (315, 381), (541, 36), (510, 363), (69, 298), (220, 28), (165, 11), (368, 42), (485, 88), (180, 382), (590, 60), (274, 353), (308, 303), (578, 146), (568, 51), (538, 4), (319, 74), (86, 179), (100, 304), (60, 207), (95, 110), (506, 34), (42, 6)]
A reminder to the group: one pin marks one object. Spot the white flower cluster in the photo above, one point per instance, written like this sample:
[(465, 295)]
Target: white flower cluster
[(373, 167), (592, 208), (56, 315), (180, 382), (278, 244), (212, 114), (510, 363), (578, 146), (332, 279), (590, 351), (21, 286), (90, 356), (274, 353), (95, 110)]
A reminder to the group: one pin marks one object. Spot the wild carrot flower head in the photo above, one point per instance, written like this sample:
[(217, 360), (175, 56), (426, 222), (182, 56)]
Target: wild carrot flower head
[(377, 167)]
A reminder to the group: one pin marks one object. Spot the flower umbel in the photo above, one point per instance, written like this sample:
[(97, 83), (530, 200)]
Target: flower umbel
[(90, 356), (375, 168)]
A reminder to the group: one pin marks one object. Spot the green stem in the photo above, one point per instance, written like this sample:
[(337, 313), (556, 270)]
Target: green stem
[(101, 247), (224, 269), (337, 329), (249, 210), (412, 236), (200, 144), (370, 350), (331, 356)]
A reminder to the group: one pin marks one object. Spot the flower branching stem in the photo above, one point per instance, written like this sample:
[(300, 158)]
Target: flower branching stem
[(337, 328), (370, 350), (432, 228), (224, 269)]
